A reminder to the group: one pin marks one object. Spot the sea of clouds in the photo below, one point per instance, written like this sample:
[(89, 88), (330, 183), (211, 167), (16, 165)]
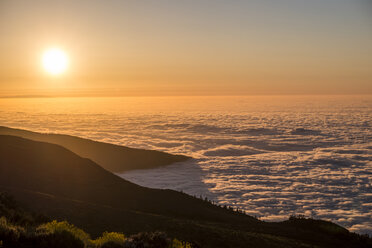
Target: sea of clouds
[(272, 157)]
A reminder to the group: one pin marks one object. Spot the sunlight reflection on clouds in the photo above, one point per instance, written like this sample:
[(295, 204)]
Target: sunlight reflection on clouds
[(273, 160)]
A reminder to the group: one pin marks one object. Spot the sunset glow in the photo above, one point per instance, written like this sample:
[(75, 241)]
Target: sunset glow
[(55, 61), (179, 124), (172, 48)]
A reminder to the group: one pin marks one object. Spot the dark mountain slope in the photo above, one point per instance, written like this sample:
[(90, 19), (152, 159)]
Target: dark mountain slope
[(54, 181), (52, 169), (114, 158)]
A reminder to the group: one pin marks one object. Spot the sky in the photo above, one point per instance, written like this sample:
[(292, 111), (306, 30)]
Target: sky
[(188, 47)]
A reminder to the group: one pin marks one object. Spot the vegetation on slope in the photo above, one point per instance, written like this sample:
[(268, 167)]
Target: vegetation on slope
[(112, 157), (19, 228)]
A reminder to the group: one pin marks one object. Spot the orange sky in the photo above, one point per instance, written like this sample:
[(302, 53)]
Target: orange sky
[(188, 47)]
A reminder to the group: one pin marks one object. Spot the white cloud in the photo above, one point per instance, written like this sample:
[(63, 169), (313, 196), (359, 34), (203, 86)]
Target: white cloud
[(271, 160)]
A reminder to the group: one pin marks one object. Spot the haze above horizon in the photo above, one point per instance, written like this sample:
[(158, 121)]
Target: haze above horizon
[(134, 48)]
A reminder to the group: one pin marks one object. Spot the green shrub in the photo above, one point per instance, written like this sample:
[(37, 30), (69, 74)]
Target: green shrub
[(180, 244), (60, 239), (16, 215), (148, 240), (109, 239), (63, 229), (65, 235), (10, 232)]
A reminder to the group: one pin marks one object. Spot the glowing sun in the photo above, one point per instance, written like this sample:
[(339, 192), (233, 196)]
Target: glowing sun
[(55, 61)]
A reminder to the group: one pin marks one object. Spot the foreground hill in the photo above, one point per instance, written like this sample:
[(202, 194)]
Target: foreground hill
[(112, 157), (53, 181), (20, 228)]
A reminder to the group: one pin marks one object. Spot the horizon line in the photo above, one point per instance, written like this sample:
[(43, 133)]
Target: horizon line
[(169, 95)]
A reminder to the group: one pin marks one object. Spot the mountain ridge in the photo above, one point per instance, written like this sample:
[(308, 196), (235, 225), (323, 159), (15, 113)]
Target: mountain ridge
[(115, 158)]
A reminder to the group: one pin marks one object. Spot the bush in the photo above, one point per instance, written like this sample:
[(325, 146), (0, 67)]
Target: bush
[(60, 239), (64, 235), (109, 239), (63, 229), (180, 244), (16, 215), (9, 232), (148, 240)]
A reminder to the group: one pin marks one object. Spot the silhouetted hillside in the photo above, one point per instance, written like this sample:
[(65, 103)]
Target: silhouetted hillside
[(53, 181), (114, 158), (20, 228)]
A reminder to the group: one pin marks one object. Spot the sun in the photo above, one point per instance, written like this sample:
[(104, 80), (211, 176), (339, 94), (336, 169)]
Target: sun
[(55, 61)]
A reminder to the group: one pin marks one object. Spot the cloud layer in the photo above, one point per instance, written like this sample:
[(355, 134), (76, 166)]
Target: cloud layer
[(271, 159)]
